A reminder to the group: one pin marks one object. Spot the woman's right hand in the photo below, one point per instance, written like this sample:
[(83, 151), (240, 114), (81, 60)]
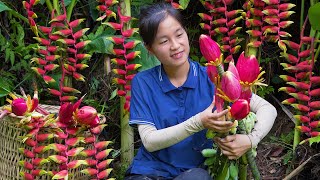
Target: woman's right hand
[(215, 121)]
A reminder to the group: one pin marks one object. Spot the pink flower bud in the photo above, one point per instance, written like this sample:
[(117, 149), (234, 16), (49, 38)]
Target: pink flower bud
[(87, 115), (248, 68), (240, 109), (19, 106), (210, 49), (230, 85)]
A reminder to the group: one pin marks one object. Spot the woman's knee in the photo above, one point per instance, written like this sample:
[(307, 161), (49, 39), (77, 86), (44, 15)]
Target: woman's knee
[(194, 174)]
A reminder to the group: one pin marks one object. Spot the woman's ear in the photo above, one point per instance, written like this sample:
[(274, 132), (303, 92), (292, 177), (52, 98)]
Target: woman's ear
[(149, 49)]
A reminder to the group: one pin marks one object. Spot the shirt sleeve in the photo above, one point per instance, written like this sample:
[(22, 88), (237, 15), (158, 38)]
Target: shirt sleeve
[(154, 139), (140, 112), (266, 114)]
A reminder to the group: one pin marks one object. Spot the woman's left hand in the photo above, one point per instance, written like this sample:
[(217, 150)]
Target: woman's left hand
[(234, 146)]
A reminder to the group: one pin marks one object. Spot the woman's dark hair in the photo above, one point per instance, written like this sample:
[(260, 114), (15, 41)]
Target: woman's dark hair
[(150, 18)]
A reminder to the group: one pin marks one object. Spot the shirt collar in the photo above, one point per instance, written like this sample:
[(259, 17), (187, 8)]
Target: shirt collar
[(191, 81)]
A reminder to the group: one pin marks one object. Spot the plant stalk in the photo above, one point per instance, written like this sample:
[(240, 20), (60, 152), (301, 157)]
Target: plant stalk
[(70, 9), (49, 5)]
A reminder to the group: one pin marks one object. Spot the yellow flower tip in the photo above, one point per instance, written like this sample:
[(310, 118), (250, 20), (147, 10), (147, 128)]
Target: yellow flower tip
[(13, 96)]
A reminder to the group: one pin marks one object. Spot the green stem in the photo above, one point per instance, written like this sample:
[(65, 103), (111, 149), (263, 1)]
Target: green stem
[(70, 9), (56, 6), (49, 5), (249, 156), (302, 14), (220, 69), (253, 166), (296, 137), (17, 15), (243, 168)]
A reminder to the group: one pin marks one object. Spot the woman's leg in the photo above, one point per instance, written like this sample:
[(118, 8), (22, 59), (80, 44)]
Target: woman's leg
[(194, 174)]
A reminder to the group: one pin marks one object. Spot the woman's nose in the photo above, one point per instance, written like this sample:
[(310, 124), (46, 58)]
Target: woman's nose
[(175, 44)]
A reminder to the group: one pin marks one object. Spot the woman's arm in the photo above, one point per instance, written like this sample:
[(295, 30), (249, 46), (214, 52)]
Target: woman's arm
[(154, 139), (266, 114), (236, 145)]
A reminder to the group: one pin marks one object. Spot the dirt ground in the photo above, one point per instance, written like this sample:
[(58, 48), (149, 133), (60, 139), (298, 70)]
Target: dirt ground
[(275, 159)]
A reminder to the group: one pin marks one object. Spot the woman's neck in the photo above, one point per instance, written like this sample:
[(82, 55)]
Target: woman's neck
[(178, 75)]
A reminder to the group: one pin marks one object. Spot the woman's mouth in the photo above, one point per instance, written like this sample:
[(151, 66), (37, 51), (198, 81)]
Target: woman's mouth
[(177, 55)]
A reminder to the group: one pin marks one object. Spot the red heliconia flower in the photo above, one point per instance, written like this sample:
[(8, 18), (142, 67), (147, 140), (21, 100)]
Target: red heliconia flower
[(205, 26), (219, 21), (240, 109), (205, 17), (19, 106), (87, 115), (65, 113), (286, 6), (210, 50), (303, 129), (75, 23), (230, 87), (249, 70), (80, 33), (314, 124), (303, 119)]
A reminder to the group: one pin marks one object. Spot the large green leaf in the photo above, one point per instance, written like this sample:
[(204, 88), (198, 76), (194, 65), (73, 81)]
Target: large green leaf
[(3, 7), (146, 59), (184, 3), (314, 14)]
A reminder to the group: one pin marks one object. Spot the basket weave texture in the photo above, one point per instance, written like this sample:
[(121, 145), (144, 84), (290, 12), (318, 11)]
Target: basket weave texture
[(10, 156)]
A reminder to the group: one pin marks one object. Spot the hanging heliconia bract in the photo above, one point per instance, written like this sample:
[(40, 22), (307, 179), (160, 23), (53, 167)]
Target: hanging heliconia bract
[(265, 21), (303, 84), (124, 53), (222, 24), (63, 140)]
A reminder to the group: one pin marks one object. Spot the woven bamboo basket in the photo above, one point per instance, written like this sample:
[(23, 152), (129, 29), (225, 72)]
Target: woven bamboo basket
[(10, 157)]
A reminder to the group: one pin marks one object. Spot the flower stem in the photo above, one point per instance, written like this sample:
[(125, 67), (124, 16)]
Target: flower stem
[(249, 156), (220, 70)]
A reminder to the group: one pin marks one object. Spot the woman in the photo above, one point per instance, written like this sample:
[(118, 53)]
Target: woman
[(172, 106)]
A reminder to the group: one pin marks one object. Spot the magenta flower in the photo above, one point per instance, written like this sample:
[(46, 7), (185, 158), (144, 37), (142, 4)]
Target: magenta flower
[(87, 115), (240, 109), (230, 87), (19, 106), (249, 70), (210, 50), (65, 113)]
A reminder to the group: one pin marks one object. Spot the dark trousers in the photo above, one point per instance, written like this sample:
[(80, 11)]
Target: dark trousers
[(191, 174)]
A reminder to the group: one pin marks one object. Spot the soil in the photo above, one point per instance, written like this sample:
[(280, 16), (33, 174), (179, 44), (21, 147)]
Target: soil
[(274, 154)]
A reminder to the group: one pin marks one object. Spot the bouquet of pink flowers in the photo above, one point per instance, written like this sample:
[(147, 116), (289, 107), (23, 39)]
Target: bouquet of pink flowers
[(233, 86)]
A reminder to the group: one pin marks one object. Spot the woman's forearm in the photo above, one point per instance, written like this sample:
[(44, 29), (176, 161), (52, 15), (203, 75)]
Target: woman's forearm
[(154, 140)]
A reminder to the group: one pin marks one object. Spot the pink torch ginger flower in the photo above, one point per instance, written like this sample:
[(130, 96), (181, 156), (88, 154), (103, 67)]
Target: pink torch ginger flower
[(22, 106), (19, 106), (240, 109), (249, 71), (210, 50), (87, 115), (230, 87)]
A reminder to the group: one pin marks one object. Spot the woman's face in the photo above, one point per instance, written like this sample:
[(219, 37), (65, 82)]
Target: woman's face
[(171, 44)]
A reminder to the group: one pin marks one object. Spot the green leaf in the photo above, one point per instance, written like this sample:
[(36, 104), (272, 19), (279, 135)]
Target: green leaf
[(113, 94), (314, 13), (67, 2), (225, 173), (5, 87), (184, 3), (3, 7), (234, 171), (314, 140), (12, 58), (146, 59)]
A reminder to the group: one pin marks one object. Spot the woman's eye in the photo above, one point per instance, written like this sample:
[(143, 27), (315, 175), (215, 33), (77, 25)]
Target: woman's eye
[(162, 42), (180, 34)]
